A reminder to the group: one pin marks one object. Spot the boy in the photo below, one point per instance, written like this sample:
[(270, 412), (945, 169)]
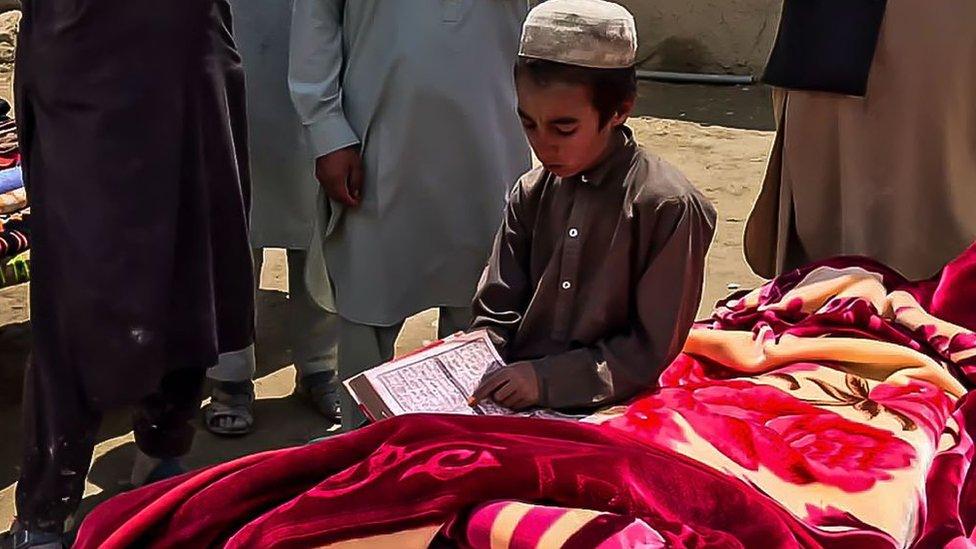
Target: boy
[(596, 273)]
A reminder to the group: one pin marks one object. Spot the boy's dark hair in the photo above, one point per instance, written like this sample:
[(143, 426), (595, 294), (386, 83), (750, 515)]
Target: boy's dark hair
[(610, 88)]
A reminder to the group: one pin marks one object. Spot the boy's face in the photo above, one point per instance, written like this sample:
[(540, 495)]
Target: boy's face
[(563, 126)]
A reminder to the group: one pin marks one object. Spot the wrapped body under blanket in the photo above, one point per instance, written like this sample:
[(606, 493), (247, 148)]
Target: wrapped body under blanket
[(792, 412)]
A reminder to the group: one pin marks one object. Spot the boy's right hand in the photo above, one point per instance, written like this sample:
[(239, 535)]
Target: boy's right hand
[(515, 387), (341, 175)]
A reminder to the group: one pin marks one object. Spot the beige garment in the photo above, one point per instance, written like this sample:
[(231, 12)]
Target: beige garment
[(891, 175)]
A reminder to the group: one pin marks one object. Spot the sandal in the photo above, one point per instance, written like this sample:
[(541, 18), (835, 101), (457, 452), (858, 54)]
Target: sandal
[(322, 389), (231, 409), (19, 538)]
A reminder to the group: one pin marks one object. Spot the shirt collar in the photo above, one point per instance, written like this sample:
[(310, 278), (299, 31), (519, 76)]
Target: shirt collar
[(623, 147)]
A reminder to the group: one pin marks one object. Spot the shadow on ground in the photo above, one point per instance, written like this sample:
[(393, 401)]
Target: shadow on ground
[(14, 350), (744, 107)]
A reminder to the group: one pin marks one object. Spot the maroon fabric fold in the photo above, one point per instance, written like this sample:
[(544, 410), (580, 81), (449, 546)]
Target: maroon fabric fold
[(413, 471)]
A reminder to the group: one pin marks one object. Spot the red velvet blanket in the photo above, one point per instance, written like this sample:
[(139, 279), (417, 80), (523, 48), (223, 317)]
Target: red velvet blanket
[(827, 408)]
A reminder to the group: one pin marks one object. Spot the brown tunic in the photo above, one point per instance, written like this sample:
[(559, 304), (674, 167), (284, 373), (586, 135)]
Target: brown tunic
[(596, 279)]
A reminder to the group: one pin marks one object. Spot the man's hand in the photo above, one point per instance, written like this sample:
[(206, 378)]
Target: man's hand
[(341, 175), (515, 387)]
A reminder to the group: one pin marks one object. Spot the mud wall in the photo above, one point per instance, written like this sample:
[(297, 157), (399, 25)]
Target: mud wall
[(723, 36)]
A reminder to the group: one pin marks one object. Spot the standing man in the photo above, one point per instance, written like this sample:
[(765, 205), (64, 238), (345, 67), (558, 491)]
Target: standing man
[(133, 133), (884, 167), (409, 108), (283, 216)]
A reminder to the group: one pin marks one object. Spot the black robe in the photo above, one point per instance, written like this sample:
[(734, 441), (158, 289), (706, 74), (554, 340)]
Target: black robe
[(133, 134)]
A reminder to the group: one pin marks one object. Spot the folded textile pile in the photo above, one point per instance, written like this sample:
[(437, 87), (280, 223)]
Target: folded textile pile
[(14, 234), (9, 149), (13, 201), (13, 195), (14, 210), (11, 179), (15, 270)]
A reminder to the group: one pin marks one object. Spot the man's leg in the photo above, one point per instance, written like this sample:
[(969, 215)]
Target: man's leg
[(231, 408), (59, 438), (314, 331), (239, 366), (315, 340), (234, 367), (360, 348), (453, 320), (163, 423)]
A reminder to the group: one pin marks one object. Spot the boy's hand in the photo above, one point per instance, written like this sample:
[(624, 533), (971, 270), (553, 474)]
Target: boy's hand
[(515, 387), (341, 175)]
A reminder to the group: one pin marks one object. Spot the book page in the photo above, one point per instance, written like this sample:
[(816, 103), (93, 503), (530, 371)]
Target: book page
[(440, 379)]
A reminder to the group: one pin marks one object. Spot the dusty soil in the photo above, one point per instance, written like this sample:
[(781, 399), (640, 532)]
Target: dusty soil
[(725, 163)]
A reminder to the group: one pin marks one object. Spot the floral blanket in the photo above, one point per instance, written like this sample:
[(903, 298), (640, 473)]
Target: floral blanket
[(828, 408)]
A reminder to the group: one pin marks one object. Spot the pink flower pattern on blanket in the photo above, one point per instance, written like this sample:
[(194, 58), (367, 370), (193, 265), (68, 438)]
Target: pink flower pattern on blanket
[(759, 425), (823, 388)]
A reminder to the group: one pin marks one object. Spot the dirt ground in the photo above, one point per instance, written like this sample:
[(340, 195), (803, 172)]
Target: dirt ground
[(726, 163)]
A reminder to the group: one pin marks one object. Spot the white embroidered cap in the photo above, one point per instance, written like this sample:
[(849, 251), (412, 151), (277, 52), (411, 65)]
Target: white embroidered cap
[(586, 33)]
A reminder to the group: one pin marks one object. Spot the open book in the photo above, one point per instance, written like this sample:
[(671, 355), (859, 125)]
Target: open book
[(437, 379)]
